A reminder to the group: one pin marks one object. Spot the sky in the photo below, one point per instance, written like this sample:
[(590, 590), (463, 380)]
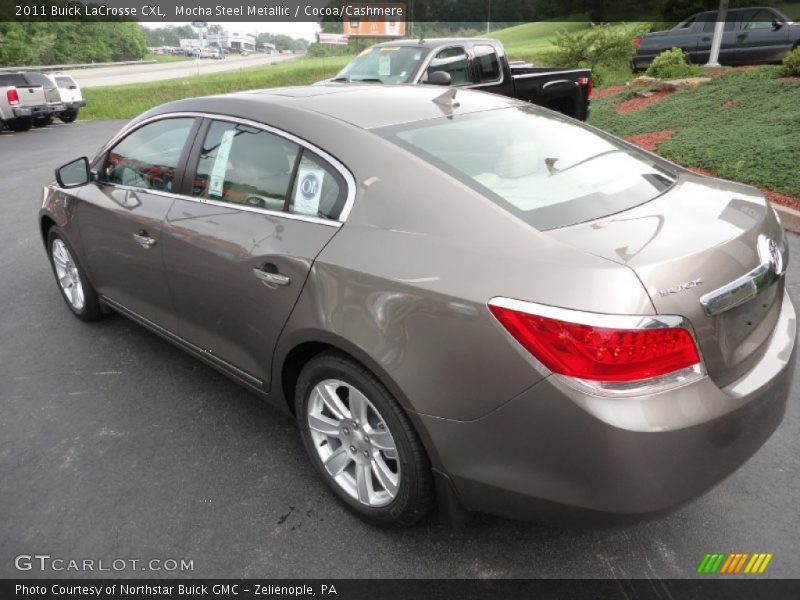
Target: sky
[(295, 29)]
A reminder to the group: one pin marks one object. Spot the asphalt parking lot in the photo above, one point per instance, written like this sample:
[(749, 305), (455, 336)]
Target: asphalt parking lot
[(115, 444)]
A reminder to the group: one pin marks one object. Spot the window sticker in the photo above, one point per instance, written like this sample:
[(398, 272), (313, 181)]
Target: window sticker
[(385, 65), (308, 191), (216, 183)]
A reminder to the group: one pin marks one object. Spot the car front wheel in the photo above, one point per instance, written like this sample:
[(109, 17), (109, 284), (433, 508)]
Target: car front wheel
[(362, 443), (75, 288)]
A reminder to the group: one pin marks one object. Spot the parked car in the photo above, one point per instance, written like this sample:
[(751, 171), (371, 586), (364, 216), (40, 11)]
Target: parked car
[(71, 96), (471, 63), (751, 36), (51, 94), (20, 102), (470, 299)]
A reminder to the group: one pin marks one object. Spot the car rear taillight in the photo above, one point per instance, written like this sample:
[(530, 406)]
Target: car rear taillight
[(589, 83), (603, 352), (12, 96), (636, 41)]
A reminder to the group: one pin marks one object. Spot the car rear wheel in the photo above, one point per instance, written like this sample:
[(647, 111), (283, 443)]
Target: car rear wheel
[(23, 124), (76, 290), (362, 443), (68, 116), (43, 121)]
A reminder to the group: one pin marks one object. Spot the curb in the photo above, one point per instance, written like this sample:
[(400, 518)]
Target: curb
[(790, 218)]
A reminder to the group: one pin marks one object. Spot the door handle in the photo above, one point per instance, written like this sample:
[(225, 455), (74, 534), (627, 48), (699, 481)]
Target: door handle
[(144, 240), (271, 278)]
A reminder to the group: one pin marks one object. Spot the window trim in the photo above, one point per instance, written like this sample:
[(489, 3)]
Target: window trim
[(188, 172), (435, 52)]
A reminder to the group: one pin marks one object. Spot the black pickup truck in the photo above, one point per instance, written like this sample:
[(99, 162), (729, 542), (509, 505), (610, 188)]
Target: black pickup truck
[(473, 63)]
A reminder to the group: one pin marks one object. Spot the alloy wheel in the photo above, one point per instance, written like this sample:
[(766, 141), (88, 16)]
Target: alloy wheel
[(353, 442), (67, 274)]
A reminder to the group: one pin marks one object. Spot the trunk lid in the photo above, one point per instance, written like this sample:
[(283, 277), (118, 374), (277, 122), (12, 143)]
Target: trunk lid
[(688, 244)]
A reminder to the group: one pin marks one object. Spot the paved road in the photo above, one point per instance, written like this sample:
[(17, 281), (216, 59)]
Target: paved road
[(114, 444), (170, 70)]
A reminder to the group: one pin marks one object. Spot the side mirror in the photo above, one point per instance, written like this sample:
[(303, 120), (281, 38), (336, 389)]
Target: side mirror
[(439, 78), (74, 174), (776, 25)]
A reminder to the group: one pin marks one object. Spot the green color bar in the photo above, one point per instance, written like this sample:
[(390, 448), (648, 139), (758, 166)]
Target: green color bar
[(703, 563)]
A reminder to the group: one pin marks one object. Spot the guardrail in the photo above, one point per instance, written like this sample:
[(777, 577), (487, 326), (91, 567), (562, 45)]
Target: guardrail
[(77, 66)]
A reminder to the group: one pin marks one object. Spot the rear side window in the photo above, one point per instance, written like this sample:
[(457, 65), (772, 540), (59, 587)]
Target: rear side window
[(245, 165), (38, 79), (487, 64), (318, 189), (148, 157), (548, 171), (758, 19)]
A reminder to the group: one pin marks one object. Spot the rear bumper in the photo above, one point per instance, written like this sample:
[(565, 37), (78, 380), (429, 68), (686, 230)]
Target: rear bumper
[(55, 109), (553, 452), (22, 112), (70, 106)]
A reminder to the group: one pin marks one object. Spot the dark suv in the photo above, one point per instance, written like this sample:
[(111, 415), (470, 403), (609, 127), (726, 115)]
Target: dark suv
[(751, 36)]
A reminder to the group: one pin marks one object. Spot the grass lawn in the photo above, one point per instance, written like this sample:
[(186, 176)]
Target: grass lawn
[(530, 41), (128, 101), (166, 57), (755, 140)]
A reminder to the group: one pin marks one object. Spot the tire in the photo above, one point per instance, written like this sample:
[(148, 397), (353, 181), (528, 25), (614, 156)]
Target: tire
[(77, 292), (397, 488), (43, 121), (68, 116), (23, 124)]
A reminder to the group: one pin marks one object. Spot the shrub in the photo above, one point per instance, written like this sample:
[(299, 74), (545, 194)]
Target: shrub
[(673, 64), (791, 64), (604, 44)]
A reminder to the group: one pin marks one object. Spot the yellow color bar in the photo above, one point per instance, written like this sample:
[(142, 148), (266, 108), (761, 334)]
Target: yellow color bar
[(764, 564)]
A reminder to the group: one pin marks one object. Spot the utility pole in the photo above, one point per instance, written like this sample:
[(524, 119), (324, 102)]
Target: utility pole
[(719, 31), (488, 16)]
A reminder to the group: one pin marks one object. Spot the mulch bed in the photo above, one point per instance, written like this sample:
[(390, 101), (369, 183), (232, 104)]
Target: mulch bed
[(609, 91), (774, 197), (650, 141), (636, 103)]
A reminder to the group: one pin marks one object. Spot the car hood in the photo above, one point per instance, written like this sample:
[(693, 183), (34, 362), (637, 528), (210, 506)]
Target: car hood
[(699, 236)]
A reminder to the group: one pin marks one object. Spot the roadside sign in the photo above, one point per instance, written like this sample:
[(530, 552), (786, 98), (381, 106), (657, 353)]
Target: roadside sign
[(385, 19), (200, 24), (333, 38)]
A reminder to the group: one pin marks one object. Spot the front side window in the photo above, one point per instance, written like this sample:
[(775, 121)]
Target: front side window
[(148, 157), (548, 171), (487, 64), (245, 165), (454, 61)]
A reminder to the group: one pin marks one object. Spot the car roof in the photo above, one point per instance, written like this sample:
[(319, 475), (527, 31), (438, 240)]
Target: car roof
[(436, 42), (366, 106)]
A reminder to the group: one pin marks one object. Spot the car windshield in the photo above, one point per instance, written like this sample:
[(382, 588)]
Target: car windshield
[(64, 82), (384, 64), (15, 79), (548, 170)]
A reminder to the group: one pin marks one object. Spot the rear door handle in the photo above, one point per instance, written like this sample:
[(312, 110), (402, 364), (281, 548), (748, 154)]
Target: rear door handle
[(271, 278), (144, 240)]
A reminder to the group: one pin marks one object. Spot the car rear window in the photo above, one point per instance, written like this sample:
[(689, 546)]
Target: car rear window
[(64, 82), (14, 79), (547, 170)]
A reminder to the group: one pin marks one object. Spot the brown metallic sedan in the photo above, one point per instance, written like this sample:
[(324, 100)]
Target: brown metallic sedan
[(462, 298)]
